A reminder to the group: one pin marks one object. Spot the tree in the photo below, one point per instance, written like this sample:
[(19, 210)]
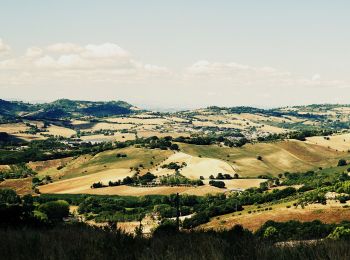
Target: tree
[(174, 147), (218, 184), (55, 210), (270, 233), (148, 177), (8, 196), (340, 233), (342, 162), (220, 176)]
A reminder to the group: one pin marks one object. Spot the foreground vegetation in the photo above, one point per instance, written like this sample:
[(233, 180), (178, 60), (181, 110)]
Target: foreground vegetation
[(82, 242), (33, 228)]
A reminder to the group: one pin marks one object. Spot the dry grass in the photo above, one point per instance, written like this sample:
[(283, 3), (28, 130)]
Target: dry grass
[(60, 131), (13, 128), (49, 167), (109, 126), (278, 157), (82, 184), (331, 213), (21, 186), (241, 183), (336, 142), (196, 166)]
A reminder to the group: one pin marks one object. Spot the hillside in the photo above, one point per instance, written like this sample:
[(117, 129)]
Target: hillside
[(200, 161), (63, 108), (276, 157)]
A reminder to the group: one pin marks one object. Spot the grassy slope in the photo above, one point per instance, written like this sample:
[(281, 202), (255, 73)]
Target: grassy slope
[(278, 157), (88, 164), (333, 212), (21, 186)]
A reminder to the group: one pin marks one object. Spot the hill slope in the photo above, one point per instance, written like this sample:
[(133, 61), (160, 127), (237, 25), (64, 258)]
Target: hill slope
[(63, 108)]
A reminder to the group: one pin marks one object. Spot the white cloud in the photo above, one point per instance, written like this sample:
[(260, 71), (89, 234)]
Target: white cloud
[(103, 70), (34, 52), (68, 63), (4, 48), (316, 77), (45, 61), (65, 47), (106, 50)]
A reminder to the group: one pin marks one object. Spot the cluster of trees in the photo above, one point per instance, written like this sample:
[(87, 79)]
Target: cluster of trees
[(17, 171), (213, 139), (51, 148), (136, 179), (108, 208), (295, 230), (315, 179), (152, 142), (174, 166), (146, 179), (178, 179), (15, 210), (218, 184), (300, 135), (224, 176)]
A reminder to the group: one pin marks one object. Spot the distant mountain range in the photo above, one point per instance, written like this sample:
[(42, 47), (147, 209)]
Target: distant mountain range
[(63, 108)]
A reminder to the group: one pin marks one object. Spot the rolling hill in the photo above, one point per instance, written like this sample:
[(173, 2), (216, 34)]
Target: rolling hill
[(63, 108)]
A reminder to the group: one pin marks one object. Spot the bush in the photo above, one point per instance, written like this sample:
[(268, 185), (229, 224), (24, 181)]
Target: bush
[(55, 210), (196, 220), (218, 184), (340, 233), (342, 162)]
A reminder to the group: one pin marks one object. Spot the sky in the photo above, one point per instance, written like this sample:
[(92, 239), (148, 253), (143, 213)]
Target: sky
[(176, 54)]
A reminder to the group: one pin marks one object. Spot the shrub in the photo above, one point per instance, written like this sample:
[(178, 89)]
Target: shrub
[(218, 184), (55, 210), (340, 233), (342, 162)]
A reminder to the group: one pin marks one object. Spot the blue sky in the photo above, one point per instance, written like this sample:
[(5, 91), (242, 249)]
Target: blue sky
[(176, 53)]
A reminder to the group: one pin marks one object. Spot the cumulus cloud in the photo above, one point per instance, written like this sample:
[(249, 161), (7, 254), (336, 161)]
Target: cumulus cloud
[(106, 50), (243, 75), (34, 52), (4, 48), (105, 70), (71, 63), (64, 47), (316, 77)]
